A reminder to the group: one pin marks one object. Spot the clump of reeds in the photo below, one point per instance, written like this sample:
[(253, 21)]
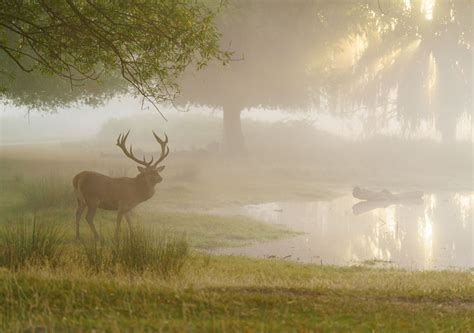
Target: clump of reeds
[(137, 251), (28, 241)]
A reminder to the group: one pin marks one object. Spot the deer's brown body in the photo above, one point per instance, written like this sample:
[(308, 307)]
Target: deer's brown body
[(95, 190), (110, 192)]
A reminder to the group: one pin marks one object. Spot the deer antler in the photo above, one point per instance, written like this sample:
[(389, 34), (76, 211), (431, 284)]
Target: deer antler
[(121, 142), (165, 150)]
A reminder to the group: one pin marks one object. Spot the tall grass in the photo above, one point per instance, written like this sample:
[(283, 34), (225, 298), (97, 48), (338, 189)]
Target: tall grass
[(138, 251), (171, 254), (26, 242), (47, 192), (97, 255)]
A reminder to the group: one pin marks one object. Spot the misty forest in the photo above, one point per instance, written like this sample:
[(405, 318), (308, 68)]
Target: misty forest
[(237, 165)]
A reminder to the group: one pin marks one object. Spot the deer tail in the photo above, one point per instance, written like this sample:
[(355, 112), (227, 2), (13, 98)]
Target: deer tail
[(77, 183)]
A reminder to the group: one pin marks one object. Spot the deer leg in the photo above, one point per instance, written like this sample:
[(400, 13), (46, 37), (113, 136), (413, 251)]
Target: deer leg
[(120, 214), (91, 209), (80, 209), (129, 221)]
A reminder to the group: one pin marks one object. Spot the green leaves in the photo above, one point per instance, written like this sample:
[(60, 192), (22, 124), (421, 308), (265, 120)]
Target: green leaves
[(148, 43)]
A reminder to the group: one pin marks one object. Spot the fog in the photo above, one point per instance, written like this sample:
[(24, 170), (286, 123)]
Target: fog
[(320, 96), (237, 165)]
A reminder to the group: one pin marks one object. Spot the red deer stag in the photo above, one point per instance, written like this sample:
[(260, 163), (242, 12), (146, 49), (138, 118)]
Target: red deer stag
[(95, 190)]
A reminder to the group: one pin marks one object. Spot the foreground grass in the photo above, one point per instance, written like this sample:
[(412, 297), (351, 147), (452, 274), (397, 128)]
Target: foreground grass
[(235, 294)]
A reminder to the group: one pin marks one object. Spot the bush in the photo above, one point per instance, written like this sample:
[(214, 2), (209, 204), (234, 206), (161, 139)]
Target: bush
[(47, 192), (24, 242)]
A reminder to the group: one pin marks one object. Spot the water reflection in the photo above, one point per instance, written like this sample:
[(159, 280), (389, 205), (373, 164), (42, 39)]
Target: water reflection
[(431, 233), (367, 206)]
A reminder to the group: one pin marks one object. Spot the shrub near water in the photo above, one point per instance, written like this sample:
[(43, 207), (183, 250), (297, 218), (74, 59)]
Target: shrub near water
[(28, 242), (47, 192)]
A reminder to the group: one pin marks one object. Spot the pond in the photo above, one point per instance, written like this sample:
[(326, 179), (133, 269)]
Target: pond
[(435, 232)]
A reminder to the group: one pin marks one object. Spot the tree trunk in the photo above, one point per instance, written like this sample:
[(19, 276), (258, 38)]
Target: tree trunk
[(233, 137)]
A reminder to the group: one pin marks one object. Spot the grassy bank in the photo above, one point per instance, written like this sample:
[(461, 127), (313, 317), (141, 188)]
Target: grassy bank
[(151, 282), (235, 294)]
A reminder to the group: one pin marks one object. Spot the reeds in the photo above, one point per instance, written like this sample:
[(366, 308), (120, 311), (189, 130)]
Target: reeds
[(137, 251), (28, 241)]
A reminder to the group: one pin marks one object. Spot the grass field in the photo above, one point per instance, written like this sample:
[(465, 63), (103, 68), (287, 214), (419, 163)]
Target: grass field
[(238, 294), (161, 279)]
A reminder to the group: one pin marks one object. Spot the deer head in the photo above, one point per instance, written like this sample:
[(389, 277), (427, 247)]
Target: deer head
[(149, 170)]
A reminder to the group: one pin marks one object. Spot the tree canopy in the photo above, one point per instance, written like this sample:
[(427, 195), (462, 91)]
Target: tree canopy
[(414, 64), (408, 60), (147, 44)]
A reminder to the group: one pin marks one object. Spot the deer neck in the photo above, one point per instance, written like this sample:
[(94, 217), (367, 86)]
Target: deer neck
[(144, 188)]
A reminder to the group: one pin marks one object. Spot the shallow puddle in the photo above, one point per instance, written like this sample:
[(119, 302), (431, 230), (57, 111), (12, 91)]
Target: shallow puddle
[(435, 232)]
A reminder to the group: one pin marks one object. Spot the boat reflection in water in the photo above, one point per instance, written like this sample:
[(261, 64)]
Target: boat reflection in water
[(434, 232), (366, 206)]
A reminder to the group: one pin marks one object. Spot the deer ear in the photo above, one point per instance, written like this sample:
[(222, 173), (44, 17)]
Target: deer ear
[(161, 168), (141, 169)]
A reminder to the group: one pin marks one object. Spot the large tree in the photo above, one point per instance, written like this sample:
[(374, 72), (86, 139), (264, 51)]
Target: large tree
[(148, 44), (281, 45), (375, 55)]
